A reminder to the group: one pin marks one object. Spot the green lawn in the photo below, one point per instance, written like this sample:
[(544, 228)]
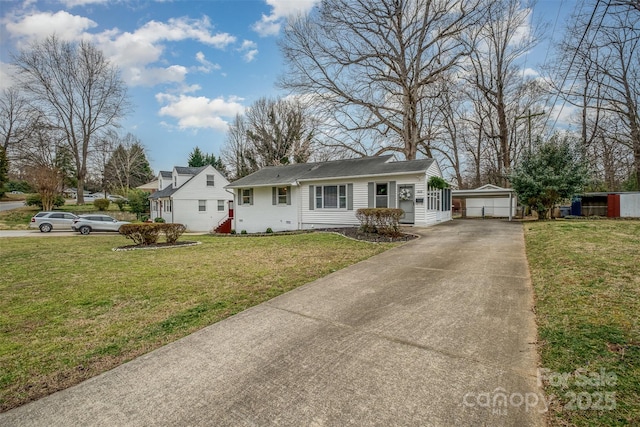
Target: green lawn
[(586, 276), (70, 307)]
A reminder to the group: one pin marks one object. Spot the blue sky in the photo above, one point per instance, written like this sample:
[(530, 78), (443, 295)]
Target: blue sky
[(190, 66)]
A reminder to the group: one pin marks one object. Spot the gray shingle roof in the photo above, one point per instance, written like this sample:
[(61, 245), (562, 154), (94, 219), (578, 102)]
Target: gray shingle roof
[(165, 192), (166, 174), (182, 170), (349, 168)]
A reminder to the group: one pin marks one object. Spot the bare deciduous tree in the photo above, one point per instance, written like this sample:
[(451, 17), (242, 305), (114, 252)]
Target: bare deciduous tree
[(368, 64), (273, 132), (78, 91), (17, 119), (599, 72)]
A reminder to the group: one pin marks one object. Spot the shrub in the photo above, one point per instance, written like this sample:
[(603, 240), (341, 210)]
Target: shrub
[(36, 200), (243, 231), (172, 232), (148, 233), (159, 219), (141, 234), (121, 204), (379, 220), (269, 230), (101, 204), (233, 231)]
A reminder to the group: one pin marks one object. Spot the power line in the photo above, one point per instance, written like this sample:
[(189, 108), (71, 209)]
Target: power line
[(573, 58)]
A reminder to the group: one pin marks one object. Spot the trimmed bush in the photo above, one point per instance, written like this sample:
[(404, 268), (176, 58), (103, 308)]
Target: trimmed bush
[(172, 232), (149, 233), (243, 231), (101, 204), (141, 234), (159, 219), (380, 220), (269, 230)]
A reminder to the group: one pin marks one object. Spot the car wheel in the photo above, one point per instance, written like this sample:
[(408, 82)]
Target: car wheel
[(85, 229), (45, 228)]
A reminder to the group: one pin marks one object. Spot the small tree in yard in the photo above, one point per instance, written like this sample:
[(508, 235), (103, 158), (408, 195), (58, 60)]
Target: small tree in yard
[(553, 172), (138, 202)]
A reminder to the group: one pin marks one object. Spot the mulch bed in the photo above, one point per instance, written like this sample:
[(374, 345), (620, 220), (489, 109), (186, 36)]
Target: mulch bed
[(357, 234), (162, 245)]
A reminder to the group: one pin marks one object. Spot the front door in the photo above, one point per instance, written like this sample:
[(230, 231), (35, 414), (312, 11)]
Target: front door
[(406, 202)]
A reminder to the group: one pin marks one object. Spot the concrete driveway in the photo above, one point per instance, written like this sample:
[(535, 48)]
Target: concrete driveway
[(439, 331)]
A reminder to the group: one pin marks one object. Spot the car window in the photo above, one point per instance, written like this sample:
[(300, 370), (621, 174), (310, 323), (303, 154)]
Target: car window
[(69, 216), (39, 214), (56, 215)]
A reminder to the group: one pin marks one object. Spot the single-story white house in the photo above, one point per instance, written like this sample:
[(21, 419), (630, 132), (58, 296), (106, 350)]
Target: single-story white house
[(195, 197), (328, 194), (487, 201)]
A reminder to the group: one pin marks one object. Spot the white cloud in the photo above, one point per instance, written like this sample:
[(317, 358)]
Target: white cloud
[(42, 24), (530, 72), (200, 112), (74, 3), (269, 25), (250, 50), (205, 65), (139, 54)]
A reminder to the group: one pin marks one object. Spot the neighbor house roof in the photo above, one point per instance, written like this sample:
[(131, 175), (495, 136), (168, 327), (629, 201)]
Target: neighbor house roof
[(349, 168), (182, 170), (166, 174), (165, 192)]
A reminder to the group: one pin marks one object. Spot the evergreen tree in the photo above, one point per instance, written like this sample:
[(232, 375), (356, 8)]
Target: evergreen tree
[(196, 158), (553, 172)]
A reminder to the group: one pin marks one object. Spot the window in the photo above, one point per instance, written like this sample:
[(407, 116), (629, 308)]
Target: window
[(210, 180), (282, 195), (247, 196), (220, 205), (168, 205), (175, 182), (382, 199), (331, 197), (202, 205)]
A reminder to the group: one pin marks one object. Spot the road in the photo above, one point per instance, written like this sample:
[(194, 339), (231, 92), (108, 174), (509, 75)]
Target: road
[(7, 206)]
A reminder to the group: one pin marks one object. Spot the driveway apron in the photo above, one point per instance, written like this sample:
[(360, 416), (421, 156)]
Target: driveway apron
[(439, 331)]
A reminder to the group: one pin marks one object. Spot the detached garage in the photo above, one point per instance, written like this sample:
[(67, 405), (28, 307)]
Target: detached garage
[(486, 201)]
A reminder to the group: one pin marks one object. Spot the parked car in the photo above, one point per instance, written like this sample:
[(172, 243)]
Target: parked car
[(47, 221), (85, 224)]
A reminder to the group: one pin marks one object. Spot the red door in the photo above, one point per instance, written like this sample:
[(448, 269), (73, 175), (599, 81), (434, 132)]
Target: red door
[(230, 208), (613, 205)]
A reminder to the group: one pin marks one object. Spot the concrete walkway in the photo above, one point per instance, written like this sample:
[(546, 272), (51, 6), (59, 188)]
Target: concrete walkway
[(438, 332)]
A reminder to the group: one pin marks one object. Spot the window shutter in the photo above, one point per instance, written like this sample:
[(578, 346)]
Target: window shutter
[(392, 195), (371, 195), (289, 195), (251, 196), (350, 197), (274, 195), (312, 197), (239, 196)]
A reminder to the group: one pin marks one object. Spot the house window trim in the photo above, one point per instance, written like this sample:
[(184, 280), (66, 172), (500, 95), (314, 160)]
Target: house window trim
[(342, 198), (200, 210), (386, 195), (221, 205), (249, 196), (210, 180)]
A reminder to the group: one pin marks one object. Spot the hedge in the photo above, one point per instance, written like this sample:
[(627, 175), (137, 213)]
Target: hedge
[(380, 220), (149, 233)]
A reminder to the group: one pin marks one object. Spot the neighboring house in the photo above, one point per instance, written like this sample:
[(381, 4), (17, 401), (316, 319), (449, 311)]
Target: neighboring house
[(194, 197), (328, 194), (486, 201)]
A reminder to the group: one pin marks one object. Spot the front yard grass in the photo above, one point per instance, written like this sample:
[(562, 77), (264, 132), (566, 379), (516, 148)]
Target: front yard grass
[(586, 276), (71, 308)]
